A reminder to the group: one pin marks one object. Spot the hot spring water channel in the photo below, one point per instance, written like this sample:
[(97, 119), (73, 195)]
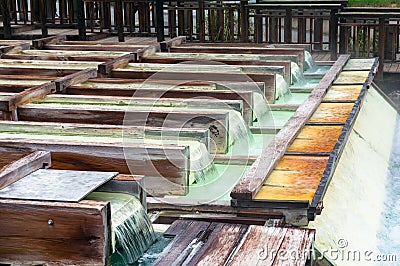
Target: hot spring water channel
[(132, 231)]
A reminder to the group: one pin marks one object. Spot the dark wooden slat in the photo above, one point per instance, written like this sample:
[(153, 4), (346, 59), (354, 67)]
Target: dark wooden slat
[(248, 186), (24, 166)]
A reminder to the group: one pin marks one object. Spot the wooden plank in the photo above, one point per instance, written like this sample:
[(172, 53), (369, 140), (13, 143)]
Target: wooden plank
[(111, 131), (343, 93), (312, 145), (75, 78), (23, 167), (257, 244), (267, 78), (302, 163), (218, 244), (299, 179), (249, 185), (120, 62), (40, 43), (217, 121), (211, 59), (11, 156), (352, 77), (268, 192), (166, 45), (200, 48), (245, 96), (180, 245), (15, 47), (166, 167), (95, 47), (332, 112), (27, 96), (85, 228), (320, 132), (177, 103)]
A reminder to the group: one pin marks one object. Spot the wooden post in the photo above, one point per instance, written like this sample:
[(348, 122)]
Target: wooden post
[(244, 30), (202, 28), (5, 8), (119, 20), (381, 47), (333, 30), (81, 19), (160, 20), (259, 27), (288, 26), (43, 18), (342, 38), (318, 34)]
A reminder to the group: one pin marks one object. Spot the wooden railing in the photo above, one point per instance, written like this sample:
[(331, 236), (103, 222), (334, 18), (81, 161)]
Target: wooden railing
[(327, 25)]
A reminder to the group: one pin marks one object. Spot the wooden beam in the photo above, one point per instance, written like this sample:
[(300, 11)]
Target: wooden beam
[(75, 78), (231, 49), (250, 184), (245, 96), (165, 167), (267, 78), (217, 121), (105, 69), (27, 96), (23, 167), (49, 227), (112, 131), (166, 45), (15, 47), (40, 43)]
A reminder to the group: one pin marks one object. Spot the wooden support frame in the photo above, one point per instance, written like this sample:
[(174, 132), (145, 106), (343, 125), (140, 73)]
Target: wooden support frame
[(23, 167), (15, 47), (248, 186)]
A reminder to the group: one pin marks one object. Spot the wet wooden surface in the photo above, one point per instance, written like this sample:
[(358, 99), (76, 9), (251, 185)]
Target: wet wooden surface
[(343, 93), (352, 77), (332, 112), (205, 243), (296, 177)]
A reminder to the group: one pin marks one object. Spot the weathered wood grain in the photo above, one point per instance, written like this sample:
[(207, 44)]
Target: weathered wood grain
[(166, 167), (111, 131), (248, 186), (75, 78), (216, 121), (105, 68), (80, 232), (267, 78), (23, 167)]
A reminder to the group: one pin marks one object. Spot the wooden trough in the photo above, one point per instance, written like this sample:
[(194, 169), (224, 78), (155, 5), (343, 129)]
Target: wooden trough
[(49, 226)]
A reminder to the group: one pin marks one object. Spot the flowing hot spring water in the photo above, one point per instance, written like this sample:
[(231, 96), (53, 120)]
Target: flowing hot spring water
[(309, 61), (132, 232), (389, 234)]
